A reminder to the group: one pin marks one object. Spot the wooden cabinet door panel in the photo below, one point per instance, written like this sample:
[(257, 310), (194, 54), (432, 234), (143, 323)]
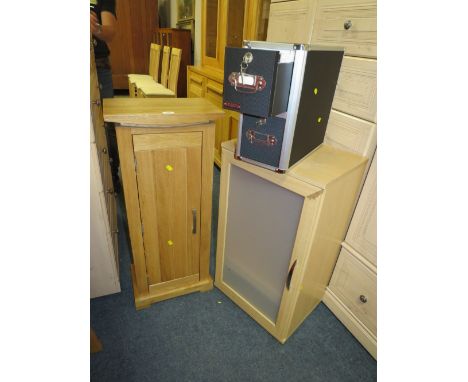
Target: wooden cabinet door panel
[(168, 168)]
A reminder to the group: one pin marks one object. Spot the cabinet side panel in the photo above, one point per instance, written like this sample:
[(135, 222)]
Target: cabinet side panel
[(262, 221), (132, 206), (335, 215)]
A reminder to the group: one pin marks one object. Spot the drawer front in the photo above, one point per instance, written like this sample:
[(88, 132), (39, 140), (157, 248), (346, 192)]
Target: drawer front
[(351, 24), (356, 91), (262, 139), (362, 233), (214, 92), (351, 134), (356, 286), (196, 85), (291, 21), (249, 80)]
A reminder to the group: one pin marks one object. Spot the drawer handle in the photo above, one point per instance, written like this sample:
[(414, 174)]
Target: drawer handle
[(363, 298), (194, 221), (348, 24), (260, 122), (97, 102), (290, 275), (110, 191), (104, 150)]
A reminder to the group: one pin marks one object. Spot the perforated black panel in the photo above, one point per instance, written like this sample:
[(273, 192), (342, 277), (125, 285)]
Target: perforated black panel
[(321, 73)]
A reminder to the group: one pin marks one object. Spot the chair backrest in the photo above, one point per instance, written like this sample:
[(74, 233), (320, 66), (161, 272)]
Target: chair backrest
[(176, 55), (155, 56), (165, 65)]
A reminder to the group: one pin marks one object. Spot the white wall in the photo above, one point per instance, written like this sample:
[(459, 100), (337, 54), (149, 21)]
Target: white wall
[(197, 39)]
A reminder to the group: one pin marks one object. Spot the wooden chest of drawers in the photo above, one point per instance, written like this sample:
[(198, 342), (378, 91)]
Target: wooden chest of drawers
[(351, 24)]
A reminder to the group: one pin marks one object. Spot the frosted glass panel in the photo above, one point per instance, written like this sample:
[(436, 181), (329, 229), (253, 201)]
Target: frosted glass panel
[(262, 220)]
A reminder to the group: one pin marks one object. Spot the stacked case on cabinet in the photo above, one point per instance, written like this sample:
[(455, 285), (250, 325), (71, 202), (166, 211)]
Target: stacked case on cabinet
[(284, 93)]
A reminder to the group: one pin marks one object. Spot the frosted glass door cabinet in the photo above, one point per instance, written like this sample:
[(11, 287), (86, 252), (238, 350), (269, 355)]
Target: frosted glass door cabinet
[(279, 235)]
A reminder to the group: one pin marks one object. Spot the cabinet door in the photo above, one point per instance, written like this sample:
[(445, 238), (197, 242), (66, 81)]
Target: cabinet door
[(168, 169), (213, 32), (262, 221)]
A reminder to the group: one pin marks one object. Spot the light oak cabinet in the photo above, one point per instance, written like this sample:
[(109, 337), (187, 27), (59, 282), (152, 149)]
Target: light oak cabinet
[(279, 235), (166, 155)]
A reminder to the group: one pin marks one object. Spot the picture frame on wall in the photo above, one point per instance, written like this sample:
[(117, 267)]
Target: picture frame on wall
[(185, 9)]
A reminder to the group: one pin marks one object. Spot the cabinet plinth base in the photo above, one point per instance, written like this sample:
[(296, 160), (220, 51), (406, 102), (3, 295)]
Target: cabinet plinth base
[(144, 301)]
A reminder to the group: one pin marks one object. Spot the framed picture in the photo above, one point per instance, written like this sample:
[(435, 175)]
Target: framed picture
[(185, 9)]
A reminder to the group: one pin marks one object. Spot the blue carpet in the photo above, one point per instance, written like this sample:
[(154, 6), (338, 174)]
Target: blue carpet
[(204, 337)]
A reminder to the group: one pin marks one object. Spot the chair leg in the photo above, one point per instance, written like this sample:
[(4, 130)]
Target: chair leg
[(95, 343)]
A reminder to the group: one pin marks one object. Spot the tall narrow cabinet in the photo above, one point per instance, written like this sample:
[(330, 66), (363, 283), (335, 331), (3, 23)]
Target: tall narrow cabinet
[(103, 233), (279, 234), (166, 158)]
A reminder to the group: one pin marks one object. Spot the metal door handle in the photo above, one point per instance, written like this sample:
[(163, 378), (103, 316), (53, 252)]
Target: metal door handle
[(290, 275), (194, 220)]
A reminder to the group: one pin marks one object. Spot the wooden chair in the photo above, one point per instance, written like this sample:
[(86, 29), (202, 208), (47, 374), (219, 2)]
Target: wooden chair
[(158, 90), (165, 65), (153, 70)]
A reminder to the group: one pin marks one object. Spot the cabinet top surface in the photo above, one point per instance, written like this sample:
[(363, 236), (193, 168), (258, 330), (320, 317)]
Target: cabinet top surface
[(159, 111), (321, 167)]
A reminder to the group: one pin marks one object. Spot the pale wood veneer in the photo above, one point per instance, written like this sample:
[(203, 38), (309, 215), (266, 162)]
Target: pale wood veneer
[(328, 180), (166, 154)]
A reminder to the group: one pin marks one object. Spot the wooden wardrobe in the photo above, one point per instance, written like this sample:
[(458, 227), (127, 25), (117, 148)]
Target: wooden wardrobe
[(136, 23)]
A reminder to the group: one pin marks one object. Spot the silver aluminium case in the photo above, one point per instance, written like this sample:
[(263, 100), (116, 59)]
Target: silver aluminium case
[(296, 53)]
